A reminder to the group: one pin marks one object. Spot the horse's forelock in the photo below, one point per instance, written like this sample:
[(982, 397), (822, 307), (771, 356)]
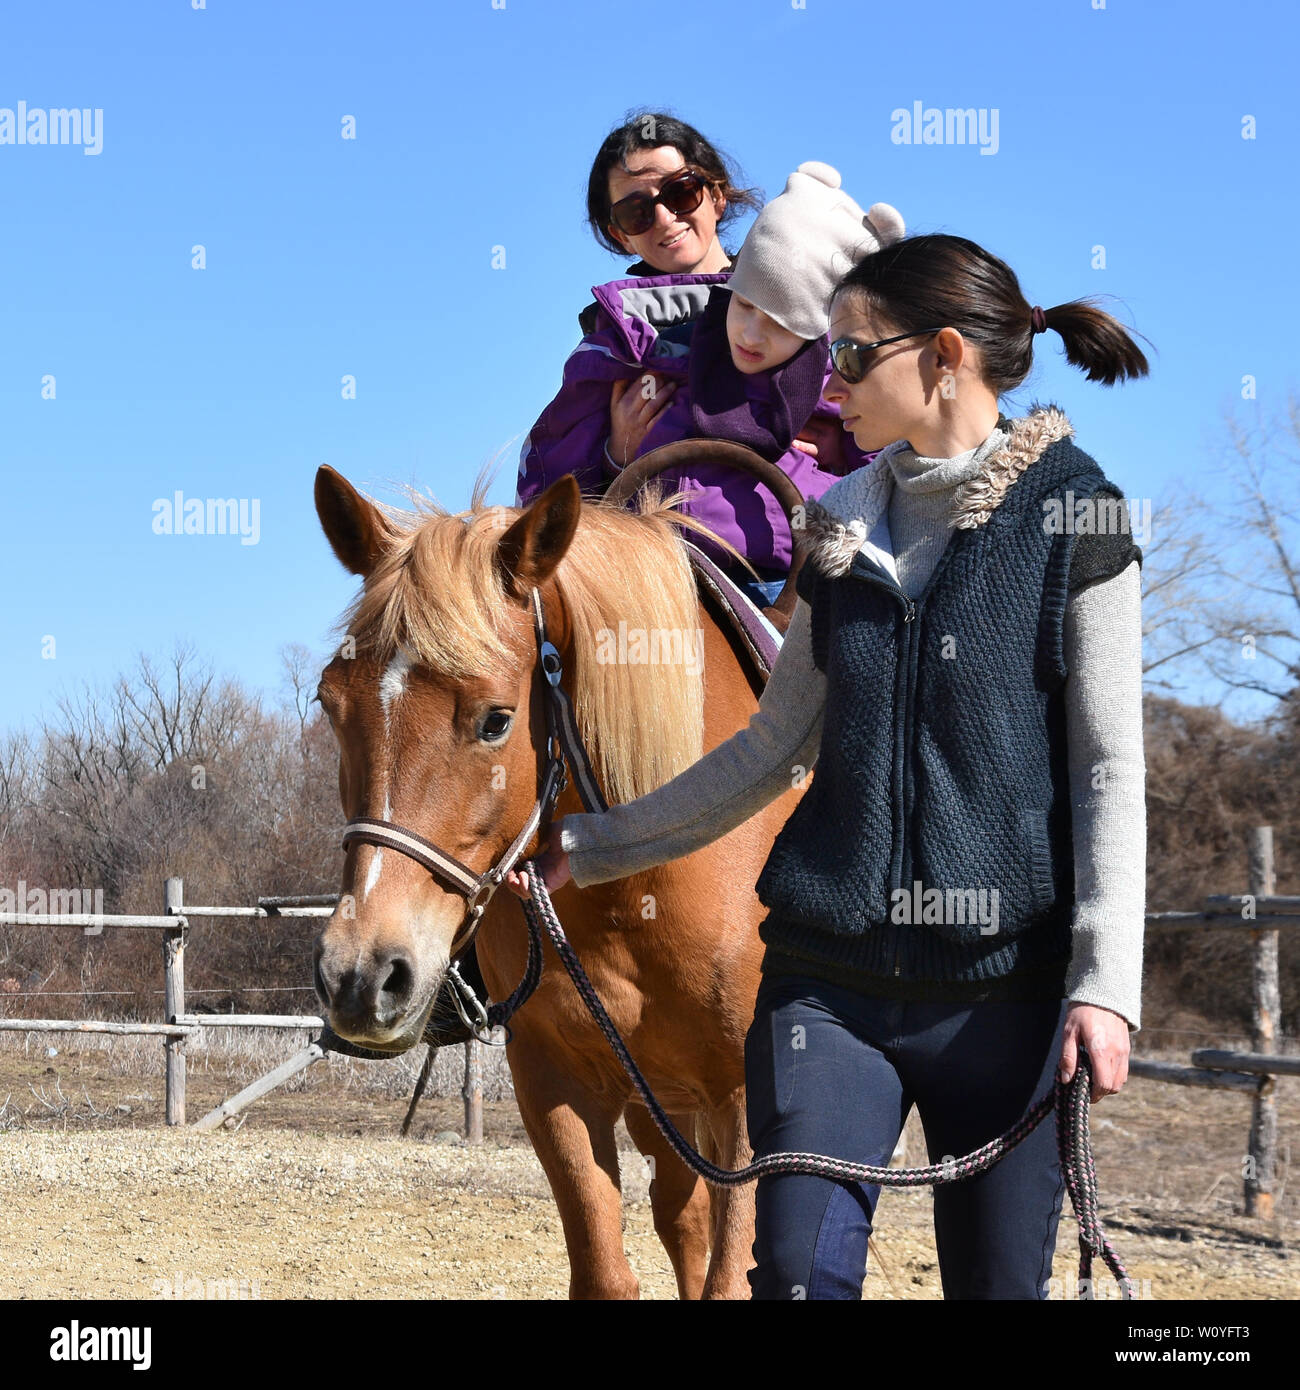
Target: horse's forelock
[(436, 595)]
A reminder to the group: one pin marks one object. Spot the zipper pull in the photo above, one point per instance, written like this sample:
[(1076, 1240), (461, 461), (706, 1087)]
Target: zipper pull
[(911, 611)]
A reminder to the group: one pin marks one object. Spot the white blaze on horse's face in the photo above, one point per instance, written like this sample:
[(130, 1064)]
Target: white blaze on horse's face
[(376, 864), (392, 684)]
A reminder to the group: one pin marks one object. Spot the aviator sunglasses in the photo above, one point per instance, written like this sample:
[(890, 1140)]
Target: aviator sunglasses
[(635, 214), (851, 358)]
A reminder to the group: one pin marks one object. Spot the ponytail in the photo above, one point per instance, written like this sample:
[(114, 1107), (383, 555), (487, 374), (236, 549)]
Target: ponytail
[(1096, 342), (921, 281)]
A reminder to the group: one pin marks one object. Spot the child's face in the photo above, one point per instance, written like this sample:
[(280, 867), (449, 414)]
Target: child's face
[(758, 343)]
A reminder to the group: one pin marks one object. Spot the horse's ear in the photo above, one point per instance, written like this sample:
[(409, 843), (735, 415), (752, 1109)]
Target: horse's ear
[(353, 525), (530, 550)]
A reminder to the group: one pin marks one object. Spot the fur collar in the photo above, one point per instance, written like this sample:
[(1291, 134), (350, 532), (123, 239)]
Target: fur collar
[(830, 542)]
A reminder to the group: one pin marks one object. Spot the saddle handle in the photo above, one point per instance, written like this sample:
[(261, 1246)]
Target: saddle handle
[(687, 451)]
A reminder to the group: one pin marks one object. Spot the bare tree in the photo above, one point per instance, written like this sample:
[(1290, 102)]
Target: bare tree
[(301, 674), (181, 712), (1259, 521), (1183, 607), (18, 794)]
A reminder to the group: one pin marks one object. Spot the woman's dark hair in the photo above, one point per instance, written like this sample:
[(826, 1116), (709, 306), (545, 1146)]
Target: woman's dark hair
[(924, 281), (648, 130)]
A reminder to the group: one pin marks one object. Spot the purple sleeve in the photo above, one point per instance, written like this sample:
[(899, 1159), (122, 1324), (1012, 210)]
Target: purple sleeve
[(854, 457), (802, 468), (570, 434)]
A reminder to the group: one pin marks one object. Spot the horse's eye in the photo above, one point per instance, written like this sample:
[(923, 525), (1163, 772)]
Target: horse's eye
[(495, 725)]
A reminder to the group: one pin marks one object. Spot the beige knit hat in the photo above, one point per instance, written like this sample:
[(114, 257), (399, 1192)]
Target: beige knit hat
[(803, 243)]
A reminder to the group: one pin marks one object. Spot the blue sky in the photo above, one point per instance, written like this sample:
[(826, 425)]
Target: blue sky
[(1119, 127)]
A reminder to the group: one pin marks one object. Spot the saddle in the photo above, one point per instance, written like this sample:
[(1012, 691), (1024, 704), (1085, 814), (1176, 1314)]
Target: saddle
[(755, 633)]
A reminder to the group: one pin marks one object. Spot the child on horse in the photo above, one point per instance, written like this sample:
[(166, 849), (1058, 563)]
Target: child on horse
[(749, 368)]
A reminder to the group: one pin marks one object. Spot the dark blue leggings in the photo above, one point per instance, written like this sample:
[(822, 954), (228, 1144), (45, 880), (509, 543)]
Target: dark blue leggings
[(832, 1071)]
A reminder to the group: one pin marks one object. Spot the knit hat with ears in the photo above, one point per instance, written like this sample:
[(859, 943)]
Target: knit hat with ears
[(802, 245)]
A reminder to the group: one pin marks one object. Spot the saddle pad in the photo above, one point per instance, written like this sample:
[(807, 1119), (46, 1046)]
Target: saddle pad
[(759, 640)]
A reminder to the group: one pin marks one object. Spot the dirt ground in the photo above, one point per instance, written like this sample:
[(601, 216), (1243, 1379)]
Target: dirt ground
[(315, 1196)]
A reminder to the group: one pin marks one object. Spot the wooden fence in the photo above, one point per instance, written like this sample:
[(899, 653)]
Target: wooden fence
[(1261, 912), (177, 1025)]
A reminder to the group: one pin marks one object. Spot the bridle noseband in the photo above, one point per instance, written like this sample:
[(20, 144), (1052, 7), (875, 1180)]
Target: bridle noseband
[(562, 739)]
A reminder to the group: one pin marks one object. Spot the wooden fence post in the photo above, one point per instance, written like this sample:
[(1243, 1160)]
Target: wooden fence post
[(174, 999), (1262, 1158), (472, 1091)]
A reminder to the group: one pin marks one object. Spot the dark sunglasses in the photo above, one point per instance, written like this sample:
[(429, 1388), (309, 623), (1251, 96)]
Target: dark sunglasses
[(635, 214), (850, 358)]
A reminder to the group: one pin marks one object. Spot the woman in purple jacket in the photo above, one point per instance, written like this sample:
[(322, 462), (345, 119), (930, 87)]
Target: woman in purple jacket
[(675, 357)]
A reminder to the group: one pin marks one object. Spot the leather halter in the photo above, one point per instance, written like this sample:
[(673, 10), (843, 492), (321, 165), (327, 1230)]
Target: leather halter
[(562, 739)]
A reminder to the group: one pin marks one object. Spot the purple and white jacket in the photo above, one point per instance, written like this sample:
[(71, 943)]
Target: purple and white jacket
[(672, 325)]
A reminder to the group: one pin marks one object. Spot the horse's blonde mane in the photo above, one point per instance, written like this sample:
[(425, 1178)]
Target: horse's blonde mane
[(438, 595)]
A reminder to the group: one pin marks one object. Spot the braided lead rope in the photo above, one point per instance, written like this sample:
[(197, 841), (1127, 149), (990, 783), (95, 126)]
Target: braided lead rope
[(499, 1015), (1070, 1101), (1074, 1145)]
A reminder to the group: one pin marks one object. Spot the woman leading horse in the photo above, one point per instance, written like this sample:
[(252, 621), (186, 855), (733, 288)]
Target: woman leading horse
[(956, 906)]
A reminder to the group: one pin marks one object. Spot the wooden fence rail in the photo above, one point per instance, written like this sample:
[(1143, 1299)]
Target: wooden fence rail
[(251, 1020), (1274, 1065), (1177, 1075), (313, 1052), (1261, 911), (95, 1025), (88, 919)]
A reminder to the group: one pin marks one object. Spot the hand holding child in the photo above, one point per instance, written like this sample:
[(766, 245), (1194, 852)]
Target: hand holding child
[(633, 411), (823, 439)]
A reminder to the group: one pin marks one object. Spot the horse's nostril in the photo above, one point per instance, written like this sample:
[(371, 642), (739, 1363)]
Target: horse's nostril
[(318, 980), (398, 982)]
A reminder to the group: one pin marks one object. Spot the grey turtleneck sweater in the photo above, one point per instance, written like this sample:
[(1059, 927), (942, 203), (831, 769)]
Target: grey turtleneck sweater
[(1103, 693), (920, 503)]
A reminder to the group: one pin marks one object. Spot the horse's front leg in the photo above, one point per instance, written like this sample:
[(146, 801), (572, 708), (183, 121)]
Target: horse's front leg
[(678, 1199), (733, 1229), (572, 1133)]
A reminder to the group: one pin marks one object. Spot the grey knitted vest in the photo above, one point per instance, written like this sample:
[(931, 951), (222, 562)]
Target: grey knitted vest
[(934, 841)]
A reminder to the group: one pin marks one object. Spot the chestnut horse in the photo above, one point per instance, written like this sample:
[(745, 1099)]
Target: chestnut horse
[(436, 701)]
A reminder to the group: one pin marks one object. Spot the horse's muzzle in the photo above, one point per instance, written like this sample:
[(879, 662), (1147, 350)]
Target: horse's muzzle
[(370, 998)]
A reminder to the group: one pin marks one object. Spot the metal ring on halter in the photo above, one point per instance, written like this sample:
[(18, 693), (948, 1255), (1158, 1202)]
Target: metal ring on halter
[(480, 1026), (463, 991), (469, 923), (552, 666)]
